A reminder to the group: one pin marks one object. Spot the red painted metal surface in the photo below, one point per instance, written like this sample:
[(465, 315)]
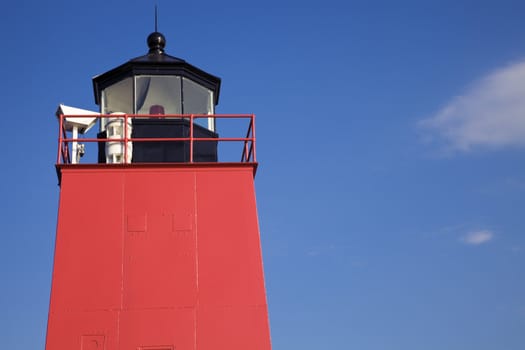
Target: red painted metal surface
[(158, 257)]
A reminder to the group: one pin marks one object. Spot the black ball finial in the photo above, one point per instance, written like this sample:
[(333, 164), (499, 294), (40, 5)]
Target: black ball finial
[(156, 43)]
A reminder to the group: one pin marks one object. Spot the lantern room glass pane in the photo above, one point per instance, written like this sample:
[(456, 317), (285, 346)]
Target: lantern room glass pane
[(197, 100), (117, 98), (158, 95)]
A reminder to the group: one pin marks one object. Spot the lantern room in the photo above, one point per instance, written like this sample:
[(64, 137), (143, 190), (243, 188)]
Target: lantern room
[(161, 88)]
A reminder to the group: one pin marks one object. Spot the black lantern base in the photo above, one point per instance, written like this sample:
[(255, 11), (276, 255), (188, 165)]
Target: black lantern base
[(166, 151)]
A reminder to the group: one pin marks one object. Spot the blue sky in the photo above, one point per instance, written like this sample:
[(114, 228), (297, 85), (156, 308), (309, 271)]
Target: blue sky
[(391, 140)]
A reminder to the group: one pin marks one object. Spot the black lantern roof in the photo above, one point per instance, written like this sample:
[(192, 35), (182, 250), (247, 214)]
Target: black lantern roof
[(156, 62)]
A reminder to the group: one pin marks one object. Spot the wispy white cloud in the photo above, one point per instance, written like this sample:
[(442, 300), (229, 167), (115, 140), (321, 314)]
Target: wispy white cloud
[(313, 253), (516, 249), (491, 113), (321, 250), (477, 237), (516, 184)]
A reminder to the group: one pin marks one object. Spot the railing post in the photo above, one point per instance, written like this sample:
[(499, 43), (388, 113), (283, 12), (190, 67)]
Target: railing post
[(59, 138), (125, 139), (65, 147), (253, 138), (191, 138)]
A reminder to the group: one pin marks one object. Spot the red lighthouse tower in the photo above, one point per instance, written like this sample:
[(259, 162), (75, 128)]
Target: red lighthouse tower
[(157, 244)]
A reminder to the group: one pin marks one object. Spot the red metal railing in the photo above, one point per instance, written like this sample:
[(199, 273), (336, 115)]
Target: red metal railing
[(248, 154)]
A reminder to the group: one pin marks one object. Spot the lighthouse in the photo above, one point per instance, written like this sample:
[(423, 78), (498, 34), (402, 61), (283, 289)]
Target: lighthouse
[(157, 242)]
